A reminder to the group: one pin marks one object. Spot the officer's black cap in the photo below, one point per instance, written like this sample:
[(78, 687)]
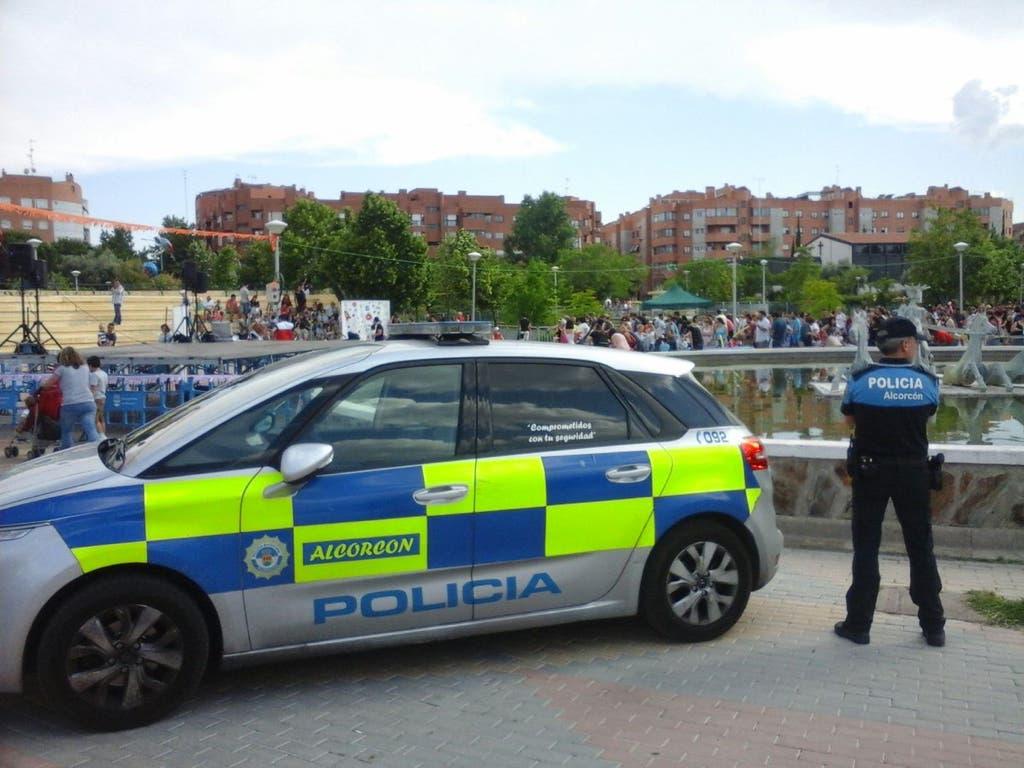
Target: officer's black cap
[(898, 328)]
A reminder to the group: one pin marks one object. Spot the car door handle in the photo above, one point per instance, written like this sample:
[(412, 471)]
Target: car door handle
[(630, 473), (440, 494)]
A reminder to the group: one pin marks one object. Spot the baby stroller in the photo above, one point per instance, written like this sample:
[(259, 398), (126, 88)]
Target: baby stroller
[(41, 424)]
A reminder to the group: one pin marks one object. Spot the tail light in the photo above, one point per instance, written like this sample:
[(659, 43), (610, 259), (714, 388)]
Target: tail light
[(753, 453)]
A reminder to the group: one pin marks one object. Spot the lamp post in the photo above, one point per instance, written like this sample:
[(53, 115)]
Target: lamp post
[(554, 272), (764, 294), (473, 257), (276, 227), (75, 273), (960, 248), (1020, 288), (734, 249)]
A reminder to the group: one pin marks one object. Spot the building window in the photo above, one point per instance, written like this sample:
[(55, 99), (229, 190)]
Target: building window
[(686, 233), (43, 225), (884, 214), (5, 223), (26, 202), (257, 215), (450, 220), (5, 199), (799, 214), (416, 219), (914, 214), (26, 224), (498, 218), (899, 214), (665, 232), (42, 203)]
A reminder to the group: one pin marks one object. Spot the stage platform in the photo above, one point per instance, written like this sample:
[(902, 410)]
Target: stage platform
[(223, 356)]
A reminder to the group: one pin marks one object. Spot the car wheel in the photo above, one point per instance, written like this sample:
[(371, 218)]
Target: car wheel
[(697, 582), (122, 652)]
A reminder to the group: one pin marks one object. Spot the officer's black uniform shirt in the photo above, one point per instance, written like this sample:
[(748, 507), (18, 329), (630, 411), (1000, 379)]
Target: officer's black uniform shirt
[(891, 402)]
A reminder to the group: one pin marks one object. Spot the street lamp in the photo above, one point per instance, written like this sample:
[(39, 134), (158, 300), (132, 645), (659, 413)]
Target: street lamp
[(75, 273), (764, 294), (734, 249), (554, 272), (960, 248), (474, 257), (276, 227)]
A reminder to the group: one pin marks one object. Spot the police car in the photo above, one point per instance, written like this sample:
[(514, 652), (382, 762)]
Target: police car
[(376, 494)]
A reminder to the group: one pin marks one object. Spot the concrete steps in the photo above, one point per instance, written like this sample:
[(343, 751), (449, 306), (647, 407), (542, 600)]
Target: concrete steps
[(73, 318)]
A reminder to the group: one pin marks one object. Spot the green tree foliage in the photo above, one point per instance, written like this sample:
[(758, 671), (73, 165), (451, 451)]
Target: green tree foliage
[(708, 278), (180, 244), (819, 296), (542, 229), (528, 291), (256, 266), (381, 257), (449, 276), (582, 303), (988, 262), (224, 268), (799, 271), (312, 246), (118, 242), (602, 270)]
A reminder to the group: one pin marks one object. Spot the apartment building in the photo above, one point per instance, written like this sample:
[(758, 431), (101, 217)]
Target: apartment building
[(692, 225), (432, 213), (245, 208), (21, 192)]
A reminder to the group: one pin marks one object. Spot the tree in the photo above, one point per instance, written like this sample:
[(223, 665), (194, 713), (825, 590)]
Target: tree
[(819, 296), (542, 229), (178, 250), (118, 242), (312, 246), (449, 276), (380, 257), (708, 278), (602, 270), (256, 264), (528, 291), (799, 271), (224, 268), (987, 261)]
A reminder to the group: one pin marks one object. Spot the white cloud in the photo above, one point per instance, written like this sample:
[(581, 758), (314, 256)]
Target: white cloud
[(101, 85)]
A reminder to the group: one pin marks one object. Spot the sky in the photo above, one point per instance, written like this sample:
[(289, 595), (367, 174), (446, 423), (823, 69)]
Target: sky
[(149, 104)]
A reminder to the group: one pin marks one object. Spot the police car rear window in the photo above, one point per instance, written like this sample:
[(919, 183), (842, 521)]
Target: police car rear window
[(693, 405)]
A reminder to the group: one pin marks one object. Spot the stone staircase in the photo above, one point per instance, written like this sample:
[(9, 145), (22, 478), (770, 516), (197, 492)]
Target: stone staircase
[(73, 318)]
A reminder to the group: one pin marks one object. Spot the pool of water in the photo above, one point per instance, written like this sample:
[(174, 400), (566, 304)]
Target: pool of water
[(782, 403)]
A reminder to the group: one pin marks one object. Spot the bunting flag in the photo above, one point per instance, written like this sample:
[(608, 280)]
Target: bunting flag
[(39, 213)]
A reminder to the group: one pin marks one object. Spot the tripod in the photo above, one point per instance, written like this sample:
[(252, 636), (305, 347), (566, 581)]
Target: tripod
[(192, 325), (31, 341)]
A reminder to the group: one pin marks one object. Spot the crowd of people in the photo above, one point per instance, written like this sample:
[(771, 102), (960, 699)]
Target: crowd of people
[(665, 332)]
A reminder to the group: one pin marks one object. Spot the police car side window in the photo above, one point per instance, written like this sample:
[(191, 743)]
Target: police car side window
[(396, 417), (685, 399), (246, 440), (547, 406)]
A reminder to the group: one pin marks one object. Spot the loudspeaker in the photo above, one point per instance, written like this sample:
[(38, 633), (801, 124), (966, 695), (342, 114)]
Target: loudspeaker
[(37, 276), (202, 282), (188, 275), (21, 260)]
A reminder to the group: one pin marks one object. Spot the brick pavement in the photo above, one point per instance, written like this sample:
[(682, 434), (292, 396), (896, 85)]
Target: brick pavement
[(778, 690)]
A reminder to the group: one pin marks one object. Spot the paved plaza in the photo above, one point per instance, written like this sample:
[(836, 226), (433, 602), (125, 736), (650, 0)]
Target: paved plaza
[(778, 690)]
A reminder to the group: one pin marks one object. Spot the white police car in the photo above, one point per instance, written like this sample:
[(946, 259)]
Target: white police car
[(376, 494)]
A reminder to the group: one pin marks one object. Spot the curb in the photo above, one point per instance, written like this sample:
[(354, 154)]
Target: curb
[(988, 545)]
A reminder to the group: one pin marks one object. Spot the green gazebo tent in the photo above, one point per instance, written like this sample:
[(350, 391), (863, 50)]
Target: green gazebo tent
[(676, 298)]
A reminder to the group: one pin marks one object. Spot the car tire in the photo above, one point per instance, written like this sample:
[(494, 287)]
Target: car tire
[(87, 670), (697, 582)]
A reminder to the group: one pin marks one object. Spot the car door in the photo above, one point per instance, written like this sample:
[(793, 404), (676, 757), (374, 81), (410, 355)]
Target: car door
[(563, 487), (378, 538)]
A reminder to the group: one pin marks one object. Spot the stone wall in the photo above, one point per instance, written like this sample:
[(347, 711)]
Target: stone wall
[(983, 486)]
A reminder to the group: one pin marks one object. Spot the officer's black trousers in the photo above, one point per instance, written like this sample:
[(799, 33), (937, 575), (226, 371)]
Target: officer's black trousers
[(906, 483)]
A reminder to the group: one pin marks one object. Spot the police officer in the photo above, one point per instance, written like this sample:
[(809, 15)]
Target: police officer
[(888, 405)]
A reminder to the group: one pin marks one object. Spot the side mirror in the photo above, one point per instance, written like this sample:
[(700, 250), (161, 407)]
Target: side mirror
[(302, 460)]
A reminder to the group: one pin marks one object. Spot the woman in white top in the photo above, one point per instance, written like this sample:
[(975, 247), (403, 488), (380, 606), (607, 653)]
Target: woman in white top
[(78, 405)]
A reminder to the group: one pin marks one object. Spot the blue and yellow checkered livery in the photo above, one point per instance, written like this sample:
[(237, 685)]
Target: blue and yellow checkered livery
[(226, 534)]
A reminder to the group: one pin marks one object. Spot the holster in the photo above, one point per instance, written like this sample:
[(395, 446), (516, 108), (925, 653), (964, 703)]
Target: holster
[(935, 471)]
